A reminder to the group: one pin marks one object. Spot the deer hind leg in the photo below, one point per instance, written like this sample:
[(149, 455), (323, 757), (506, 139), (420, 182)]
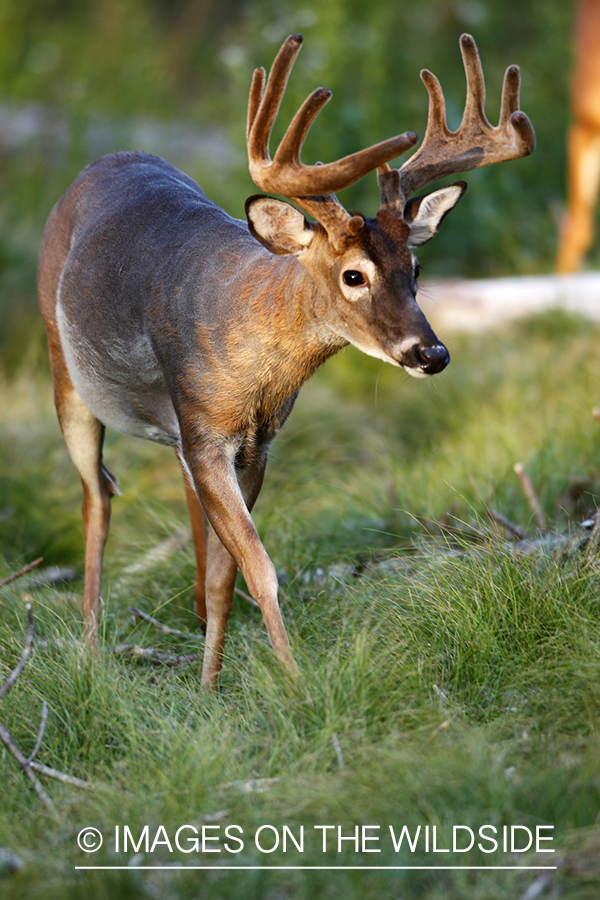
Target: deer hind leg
[(198, 521), (577, 232), (84, 436)]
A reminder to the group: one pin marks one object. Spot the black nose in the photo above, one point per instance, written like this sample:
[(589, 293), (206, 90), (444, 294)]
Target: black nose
[(433, 359)]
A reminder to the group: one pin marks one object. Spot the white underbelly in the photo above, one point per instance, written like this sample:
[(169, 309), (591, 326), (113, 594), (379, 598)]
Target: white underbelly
[(122, 385)]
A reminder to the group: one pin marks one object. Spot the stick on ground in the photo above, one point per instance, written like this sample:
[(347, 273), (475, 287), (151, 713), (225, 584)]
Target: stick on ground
[(338, 751), (532, 499), (516, 530), (593, 540), (21, 572), (27, 764), (246, 597), (166, 629), (156, 657)]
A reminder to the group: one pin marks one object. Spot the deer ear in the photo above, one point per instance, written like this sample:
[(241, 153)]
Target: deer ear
[(279, 226), (425, 214)]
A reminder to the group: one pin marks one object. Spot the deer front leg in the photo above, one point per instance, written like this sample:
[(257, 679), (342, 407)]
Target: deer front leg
[(220, 581), (227, 498)]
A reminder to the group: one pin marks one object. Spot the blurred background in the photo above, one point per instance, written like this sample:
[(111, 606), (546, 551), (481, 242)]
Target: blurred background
[(81, 78)]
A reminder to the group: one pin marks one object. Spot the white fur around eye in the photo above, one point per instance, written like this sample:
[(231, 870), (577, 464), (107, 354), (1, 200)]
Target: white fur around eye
[(367, 269)]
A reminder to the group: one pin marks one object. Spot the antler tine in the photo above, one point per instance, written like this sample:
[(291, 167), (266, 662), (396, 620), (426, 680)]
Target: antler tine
[(291, 144), (436, 115), (476, 143), (285, 174), (475, 102), (256, 94), (510, 93), (265, 115)]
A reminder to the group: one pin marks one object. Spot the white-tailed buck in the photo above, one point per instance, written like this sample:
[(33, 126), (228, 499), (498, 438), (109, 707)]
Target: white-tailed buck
[(169, 320), (583, 179)]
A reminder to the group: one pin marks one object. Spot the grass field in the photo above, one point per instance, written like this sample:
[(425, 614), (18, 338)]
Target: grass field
[(450, 673)]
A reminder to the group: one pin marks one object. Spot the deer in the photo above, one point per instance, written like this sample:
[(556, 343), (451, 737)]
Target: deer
[(169, 320), (583, 142)]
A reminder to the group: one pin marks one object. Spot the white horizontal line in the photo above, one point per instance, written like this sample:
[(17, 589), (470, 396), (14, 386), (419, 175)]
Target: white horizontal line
[(332, 868)]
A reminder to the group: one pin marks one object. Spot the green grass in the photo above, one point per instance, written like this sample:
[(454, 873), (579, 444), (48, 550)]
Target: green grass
[(457, 671)]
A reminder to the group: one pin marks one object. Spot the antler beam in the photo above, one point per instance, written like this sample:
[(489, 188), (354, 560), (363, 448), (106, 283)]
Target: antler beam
[(475, 143), (285, 174)]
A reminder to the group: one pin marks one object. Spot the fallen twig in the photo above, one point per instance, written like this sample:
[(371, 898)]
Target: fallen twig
[(7, 740), (156, 657), (27, 764), (593, 540), (441, 694), (530, 494), (41, 731), (49, 772), (166, 629), (246, 597), (506, 523), (441, 727), (338, 751), (21, 572), (538, 886), (12, 678), (250, 785)]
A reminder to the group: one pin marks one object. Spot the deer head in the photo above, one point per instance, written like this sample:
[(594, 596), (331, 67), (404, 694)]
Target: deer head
[(368, 264)]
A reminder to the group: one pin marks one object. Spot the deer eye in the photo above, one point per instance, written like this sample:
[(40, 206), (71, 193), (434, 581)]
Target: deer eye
[(353, 278), (417, 270)]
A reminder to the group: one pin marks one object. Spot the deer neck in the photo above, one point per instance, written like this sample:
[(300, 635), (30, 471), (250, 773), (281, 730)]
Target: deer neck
[(286, 311), (282, 314)]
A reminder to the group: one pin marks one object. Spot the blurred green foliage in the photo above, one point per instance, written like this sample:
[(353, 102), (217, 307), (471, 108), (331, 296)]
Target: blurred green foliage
[(79, 78)]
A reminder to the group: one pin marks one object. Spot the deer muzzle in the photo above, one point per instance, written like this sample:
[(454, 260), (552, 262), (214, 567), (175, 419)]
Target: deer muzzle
[(423, 359)]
